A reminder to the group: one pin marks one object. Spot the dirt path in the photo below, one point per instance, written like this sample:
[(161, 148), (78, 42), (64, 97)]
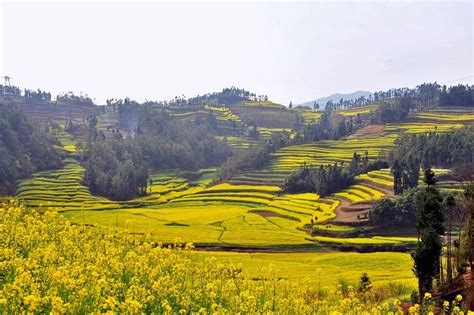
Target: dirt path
[(351, 213), (348, 212)]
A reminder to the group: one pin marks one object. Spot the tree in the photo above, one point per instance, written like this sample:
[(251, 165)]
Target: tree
[(365, 285), (384, 213), (291, 105), (429, 177), (450, 204), (466, 203), (397, 177), (398, 213), (430, 227)]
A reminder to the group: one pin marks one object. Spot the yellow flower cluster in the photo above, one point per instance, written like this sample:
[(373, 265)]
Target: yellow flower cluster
[(48, 265)]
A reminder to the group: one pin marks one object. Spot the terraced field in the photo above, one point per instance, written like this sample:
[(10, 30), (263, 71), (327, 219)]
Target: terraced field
[(442, 115), (266, 133), (382, 179), (224, 214), (191, 210), (238, 142), (309, 116), (289, 158), (362, 110), (61, 190), (249, 210), (263, 104), (360, 193), (421, 128), (222, 113), (265, 114), (227, 123)]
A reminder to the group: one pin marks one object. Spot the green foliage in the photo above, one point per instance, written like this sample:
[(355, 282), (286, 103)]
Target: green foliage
[(323, 180), (396, 213), (445, 149), (389, 113), (365, 285), (405, 174), (459, 95), (328, 179), (255, 157), (329, 127), (114, 169), (24, 148), (117, 167), (430, 226)]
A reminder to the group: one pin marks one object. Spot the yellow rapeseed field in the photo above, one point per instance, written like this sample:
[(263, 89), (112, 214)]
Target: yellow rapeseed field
[(48, 265)]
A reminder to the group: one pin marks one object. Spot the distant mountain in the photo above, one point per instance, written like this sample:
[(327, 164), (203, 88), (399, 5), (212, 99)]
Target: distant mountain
[(335, 98)]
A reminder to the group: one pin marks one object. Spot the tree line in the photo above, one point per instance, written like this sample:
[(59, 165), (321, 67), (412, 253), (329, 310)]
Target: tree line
[(396, 111), (228, 96), (327, 179), (37, 95), (24, 148), (453, 149), (329, 127)]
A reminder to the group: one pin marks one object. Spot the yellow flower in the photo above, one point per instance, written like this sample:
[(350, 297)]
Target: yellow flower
[(428, 295), (32, 301), (166, 306), (459, 298)]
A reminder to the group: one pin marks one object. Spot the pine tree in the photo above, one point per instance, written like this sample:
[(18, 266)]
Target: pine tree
[(397, 178), (430, 226)]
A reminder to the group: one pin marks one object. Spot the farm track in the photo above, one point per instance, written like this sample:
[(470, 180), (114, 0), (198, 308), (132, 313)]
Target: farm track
[(348, 213)]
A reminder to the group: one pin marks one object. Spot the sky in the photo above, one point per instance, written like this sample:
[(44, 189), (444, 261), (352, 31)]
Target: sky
[(289, 51)]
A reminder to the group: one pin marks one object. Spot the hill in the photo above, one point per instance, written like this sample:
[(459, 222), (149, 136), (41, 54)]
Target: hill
[(335, 98), (183, 196), (24, 148)]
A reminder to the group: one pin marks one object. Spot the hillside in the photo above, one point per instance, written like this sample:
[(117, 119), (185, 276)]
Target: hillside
[(249, 209), (25, 148), (154, 173)]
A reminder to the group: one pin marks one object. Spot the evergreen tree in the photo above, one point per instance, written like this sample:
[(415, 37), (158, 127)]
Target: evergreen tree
[(397, 177), (430, 226)]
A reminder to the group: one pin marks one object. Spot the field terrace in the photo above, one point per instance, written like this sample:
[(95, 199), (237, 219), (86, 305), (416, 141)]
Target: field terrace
[(249, 211)]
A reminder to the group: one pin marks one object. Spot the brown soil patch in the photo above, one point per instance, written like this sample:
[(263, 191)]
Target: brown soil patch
[(370, 129)]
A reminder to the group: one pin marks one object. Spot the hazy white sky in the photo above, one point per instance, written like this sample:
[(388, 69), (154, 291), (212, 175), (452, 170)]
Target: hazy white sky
[(289, 51)]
